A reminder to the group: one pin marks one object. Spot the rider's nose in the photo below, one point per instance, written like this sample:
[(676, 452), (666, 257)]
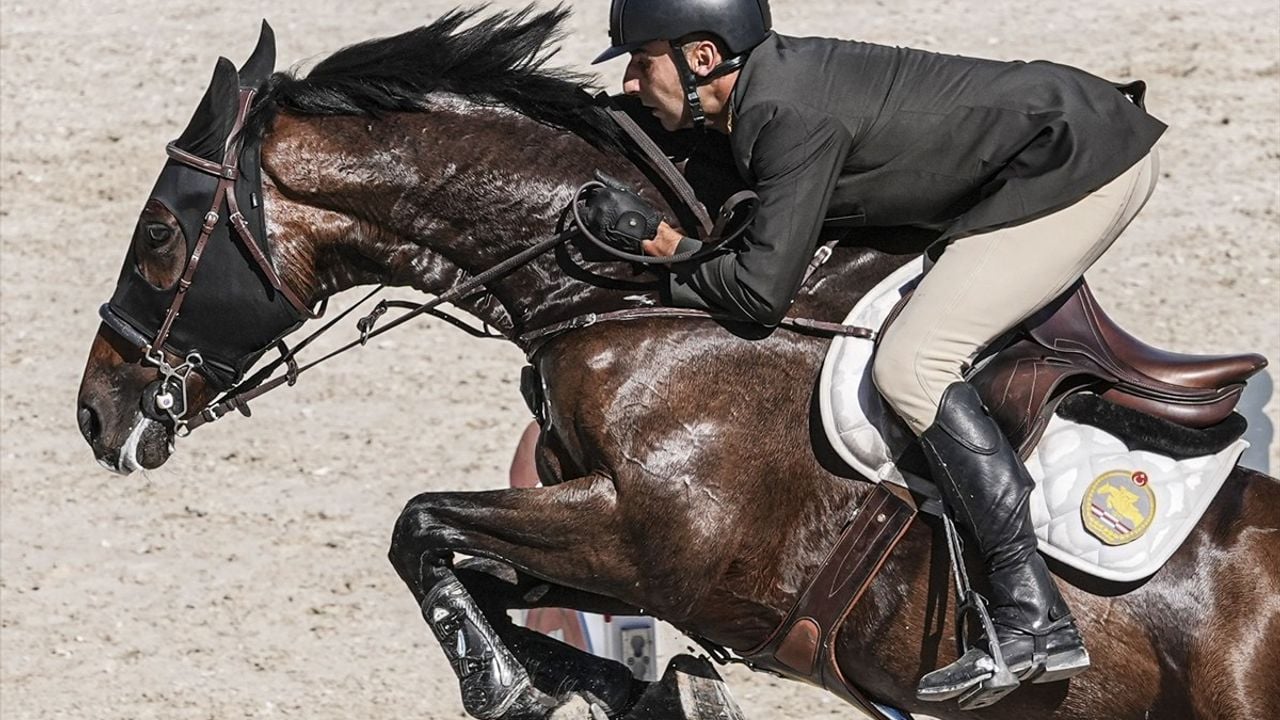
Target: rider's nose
[(631, 87)]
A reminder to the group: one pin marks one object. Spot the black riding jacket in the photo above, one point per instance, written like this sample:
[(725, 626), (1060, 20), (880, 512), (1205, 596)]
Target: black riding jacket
[(852, 133)]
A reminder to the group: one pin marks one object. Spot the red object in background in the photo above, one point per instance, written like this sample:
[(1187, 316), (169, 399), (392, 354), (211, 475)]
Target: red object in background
[(548, 621), (524, 473), (568, 623)]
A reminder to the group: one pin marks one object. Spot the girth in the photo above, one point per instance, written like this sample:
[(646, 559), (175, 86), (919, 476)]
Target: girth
[(804, 646)]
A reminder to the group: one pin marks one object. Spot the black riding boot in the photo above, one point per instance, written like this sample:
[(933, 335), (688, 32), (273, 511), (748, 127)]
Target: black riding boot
[(986, 488)]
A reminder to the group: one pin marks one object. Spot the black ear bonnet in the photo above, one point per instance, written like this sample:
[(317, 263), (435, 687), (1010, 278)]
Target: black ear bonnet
[(231, 313)]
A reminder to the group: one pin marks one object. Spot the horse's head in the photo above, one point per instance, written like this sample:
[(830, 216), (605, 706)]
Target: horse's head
[(171, 337)]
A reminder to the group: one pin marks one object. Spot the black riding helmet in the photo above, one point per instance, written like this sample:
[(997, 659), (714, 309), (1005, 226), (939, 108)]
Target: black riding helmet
[(739, 24)]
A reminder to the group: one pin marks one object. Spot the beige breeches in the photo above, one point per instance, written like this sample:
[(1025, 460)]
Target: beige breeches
[(983, 285)]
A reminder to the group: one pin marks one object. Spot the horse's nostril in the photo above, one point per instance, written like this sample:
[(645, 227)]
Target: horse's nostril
[(88, 421)]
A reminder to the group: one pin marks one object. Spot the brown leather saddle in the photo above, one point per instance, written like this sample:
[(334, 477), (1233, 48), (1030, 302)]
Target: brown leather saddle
[(1073, 345)]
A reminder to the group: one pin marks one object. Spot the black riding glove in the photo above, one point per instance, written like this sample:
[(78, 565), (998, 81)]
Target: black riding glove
[(618, 216)]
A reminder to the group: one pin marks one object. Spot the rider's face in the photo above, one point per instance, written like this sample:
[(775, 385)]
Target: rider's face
[(651, 76)]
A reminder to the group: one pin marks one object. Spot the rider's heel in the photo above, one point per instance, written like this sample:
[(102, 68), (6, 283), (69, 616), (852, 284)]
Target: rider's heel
[(1053, 656)]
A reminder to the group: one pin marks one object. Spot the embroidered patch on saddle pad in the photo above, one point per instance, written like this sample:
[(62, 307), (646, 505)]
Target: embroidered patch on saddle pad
[(1119, 506), (1146, 503)]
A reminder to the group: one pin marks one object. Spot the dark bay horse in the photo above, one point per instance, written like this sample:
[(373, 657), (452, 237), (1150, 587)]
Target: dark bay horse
[(684, 472)]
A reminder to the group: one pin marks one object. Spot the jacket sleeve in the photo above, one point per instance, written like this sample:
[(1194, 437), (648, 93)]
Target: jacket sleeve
[(796, 160)]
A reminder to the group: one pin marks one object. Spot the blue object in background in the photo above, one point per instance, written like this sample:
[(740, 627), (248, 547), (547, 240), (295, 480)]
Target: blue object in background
[(892, 713)]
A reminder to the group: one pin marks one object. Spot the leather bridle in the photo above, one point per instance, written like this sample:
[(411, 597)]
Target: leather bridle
[(227, 172), (166, 398)]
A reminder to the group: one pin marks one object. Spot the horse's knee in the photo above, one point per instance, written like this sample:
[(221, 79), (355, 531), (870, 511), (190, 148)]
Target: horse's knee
[(417, 541)]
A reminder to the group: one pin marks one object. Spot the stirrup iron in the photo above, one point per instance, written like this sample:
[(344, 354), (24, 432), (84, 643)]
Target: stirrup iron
[(1001, 681)]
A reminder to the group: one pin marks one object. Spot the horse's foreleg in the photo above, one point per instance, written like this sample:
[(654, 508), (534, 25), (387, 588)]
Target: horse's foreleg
[(554, 667), (494, 685), (499, 587), (565, 533), (554, 533)]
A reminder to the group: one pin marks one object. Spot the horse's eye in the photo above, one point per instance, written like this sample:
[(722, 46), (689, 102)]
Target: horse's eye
[(157, 234)]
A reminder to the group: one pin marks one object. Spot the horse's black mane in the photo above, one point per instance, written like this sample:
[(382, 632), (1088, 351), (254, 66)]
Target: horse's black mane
[(498, 60)]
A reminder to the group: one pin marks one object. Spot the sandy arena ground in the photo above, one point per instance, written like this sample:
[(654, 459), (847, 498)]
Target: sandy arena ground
[(247, 577)]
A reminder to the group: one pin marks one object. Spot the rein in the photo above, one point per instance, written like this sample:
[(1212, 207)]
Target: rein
[(531, 343), (238, 398)]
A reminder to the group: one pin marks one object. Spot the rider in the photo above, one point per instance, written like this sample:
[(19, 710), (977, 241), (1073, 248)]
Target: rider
[(1029, 171)]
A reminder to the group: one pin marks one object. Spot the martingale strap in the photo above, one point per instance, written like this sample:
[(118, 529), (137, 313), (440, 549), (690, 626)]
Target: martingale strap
[(238, 397), (804, 645)]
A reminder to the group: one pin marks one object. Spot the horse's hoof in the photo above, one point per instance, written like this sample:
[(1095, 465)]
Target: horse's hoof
[(690, 689)]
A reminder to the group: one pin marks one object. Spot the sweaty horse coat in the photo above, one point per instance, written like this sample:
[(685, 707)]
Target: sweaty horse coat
[(863, 134)]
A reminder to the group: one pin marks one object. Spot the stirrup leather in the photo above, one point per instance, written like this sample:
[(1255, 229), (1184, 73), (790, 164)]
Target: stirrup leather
[(1000, 680)]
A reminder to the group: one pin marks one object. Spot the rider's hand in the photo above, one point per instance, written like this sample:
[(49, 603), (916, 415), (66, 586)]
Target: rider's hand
[(665, 243), (620, 217)]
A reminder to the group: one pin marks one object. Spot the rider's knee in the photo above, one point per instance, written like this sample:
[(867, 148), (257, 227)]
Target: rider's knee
[(911, 380), (892, 371)]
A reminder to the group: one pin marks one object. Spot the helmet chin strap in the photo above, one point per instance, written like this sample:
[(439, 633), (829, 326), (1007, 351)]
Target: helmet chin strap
[(690, 82)]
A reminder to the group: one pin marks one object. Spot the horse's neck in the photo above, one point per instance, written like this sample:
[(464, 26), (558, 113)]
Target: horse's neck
[(428, 200)]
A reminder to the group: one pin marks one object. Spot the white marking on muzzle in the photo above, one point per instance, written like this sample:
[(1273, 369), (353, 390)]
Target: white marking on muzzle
[(128, 457)]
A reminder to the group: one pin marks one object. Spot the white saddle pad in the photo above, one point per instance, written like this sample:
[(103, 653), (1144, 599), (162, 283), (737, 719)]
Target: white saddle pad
[(1109, 511)]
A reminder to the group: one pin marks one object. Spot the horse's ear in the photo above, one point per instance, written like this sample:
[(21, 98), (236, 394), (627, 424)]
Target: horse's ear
[(262, 62), (206, 134)]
